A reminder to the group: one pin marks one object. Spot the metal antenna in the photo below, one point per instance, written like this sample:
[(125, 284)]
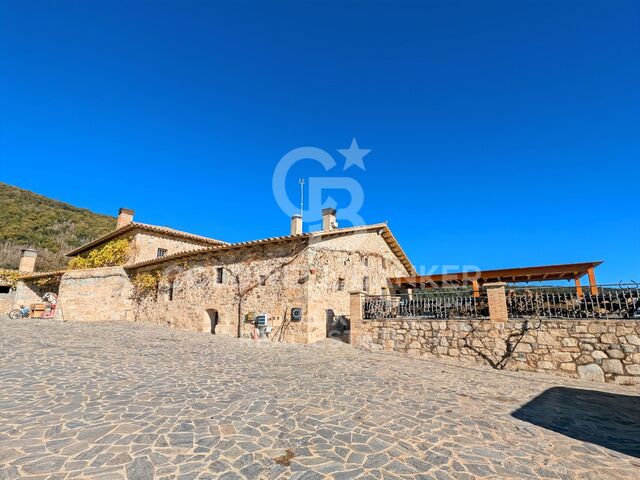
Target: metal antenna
[(301, 182)]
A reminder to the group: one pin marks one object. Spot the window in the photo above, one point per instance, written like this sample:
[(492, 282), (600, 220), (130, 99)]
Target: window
[(263, 279), (365, 284), (219, 275), (366, 261), (5, 288), (340, 284), (171, 282), (384, 263), (162, 252)]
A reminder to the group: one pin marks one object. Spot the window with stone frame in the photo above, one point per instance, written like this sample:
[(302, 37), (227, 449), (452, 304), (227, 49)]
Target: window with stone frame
[(365, 284), (340, 284), (162, 252), (263, 280), (219, 275)]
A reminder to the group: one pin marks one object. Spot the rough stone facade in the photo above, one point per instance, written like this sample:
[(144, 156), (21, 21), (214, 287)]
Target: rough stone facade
[(95, 294), (599, 350), (260, 279), (145, 245), (340, 265), (315, 274), (27, 293)]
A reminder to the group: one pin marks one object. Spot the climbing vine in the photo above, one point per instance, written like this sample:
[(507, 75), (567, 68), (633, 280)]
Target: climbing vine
[(145, 282), (111, 254)]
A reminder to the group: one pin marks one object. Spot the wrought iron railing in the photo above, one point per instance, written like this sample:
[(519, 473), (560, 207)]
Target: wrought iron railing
[(603, 301), (440, 305)]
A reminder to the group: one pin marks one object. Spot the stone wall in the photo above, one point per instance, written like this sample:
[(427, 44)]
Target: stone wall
[(313, 274), (95, 294), (144, 246), (27, 293), (270, 278), (598, 350), (339, 265)]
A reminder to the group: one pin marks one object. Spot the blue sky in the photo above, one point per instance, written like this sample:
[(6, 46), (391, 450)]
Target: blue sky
[(501, 133)]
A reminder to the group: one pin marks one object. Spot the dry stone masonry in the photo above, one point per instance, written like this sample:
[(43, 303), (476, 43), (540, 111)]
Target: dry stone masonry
[(598, 350)]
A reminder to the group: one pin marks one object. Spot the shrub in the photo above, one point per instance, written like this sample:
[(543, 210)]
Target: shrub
[(111, 254)]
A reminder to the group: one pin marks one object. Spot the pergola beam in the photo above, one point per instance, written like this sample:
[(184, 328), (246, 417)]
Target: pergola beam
[(522, 274)]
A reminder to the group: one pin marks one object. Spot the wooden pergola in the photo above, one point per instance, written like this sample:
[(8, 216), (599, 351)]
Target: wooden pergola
[(475, 279)]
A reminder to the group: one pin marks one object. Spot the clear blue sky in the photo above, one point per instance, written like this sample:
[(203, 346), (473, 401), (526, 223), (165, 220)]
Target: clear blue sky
[(501, 133)]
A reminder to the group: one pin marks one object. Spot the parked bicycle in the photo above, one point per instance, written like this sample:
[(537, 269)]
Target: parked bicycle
[(22, 312)]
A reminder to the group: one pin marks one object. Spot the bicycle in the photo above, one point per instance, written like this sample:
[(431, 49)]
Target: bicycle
[(22, 312)]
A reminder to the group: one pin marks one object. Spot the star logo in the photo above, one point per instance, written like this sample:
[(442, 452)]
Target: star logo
[(354, 155)]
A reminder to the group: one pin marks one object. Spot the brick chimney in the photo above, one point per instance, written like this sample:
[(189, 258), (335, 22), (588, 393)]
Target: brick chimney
[(329, 219), (125, 217), (28, 260), (296, 224)]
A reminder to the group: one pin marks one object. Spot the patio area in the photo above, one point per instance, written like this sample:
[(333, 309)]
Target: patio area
[(124, 400)]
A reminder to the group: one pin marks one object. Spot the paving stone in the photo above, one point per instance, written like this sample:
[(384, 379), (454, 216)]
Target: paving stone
[(124, 400), (140, 469)]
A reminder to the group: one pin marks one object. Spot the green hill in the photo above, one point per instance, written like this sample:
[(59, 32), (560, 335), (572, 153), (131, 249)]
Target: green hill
[(52, 227)]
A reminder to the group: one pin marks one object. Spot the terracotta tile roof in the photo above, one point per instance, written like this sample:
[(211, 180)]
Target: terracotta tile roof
[(148, 228), (35, 275), (382, 227)]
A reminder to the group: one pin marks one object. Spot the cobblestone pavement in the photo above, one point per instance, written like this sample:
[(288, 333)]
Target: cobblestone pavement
[(118, 400)]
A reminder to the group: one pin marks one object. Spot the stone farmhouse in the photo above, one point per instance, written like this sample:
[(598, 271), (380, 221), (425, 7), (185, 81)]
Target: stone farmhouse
[(305, 286), (191, 282)]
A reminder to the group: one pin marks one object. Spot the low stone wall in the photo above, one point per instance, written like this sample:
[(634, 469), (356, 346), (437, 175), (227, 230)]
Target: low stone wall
[(96, 294), (598, 350)]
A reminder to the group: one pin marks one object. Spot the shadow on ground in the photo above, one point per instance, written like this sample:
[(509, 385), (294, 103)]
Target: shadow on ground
[(606, 419)]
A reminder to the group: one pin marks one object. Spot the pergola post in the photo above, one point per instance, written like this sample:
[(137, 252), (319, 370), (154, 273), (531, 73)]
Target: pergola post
[(476, 288), (593, 286), (578, 288)]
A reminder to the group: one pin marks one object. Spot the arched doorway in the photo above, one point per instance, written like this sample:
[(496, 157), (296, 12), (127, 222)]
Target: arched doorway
[(212, 320)]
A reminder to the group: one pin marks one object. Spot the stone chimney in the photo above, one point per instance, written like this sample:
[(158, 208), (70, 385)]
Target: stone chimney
[(329, 219), (125, 217), (28, 260), (296, 224)]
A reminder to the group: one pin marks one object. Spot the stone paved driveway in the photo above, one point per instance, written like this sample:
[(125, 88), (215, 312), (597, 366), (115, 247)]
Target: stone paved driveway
[(109, 401)]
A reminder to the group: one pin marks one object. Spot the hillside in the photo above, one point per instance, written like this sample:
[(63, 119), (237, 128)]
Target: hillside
[(54, 228)]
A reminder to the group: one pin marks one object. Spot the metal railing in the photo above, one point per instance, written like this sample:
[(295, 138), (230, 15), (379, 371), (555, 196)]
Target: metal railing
[(603, 301), (438, 305)]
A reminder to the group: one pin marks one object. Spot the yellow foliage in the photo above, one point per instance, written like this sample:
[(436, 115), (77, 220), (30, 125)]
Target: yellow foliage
[(146, 281), (111, 254), (9, 277)]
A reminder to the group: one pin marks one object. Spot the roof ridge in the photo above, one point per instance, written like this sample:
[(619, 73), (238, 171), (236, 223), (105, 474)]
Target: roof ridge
[(397, 249), (143, 226)]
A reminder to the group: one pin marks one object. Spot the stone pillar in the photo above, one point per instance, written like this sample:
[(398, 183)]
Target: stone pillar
[(28, 260), (356, 301), (497, 299)]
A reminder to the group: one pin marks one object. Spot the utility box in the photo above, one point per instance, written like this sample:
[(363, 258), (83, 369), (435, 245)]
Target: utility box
[(262, 325), (262, 320), (296, 314)]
